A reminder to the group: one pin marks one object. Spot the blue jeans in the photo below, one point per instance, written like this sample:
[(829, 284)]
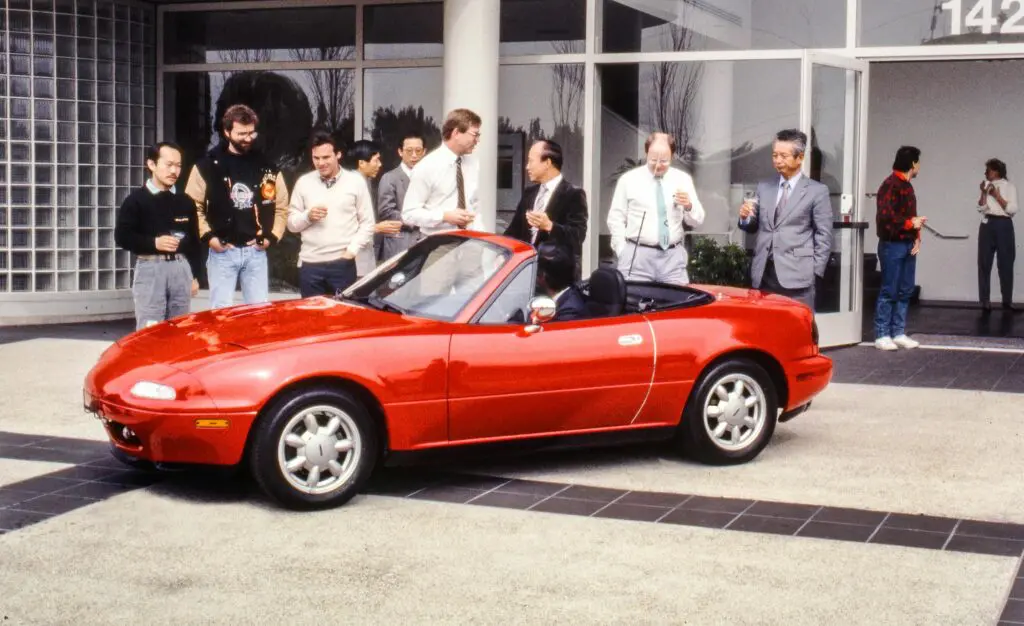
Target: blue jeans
[(246, 265), (326, 279), (898, 271)]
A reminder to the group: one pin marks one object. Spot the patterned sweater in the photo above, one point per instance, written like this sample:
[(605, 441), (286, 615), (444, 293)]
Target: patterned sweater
[(897, 204)]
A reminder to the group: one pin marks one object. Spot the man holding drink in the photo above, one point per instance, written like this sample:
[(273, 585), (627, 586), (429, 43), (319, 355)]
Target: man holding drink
[(650, 208)]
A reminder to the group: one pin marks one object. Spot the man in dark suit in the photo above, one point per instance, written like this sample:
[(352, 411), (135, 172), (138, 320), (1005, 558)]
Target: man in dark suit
[(792, 218), (555, 269), (391, 194), (552, 210)]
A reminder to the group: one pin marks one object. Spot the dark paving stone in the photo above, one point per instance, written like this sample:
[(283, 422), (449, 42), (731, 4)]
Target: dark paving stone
[(651, 498), (783, 509), (81, 446), (531, 488), (1014, 611), (11, 519), (9, 496), (107, 461), (45, 484), (508, 500), (457, 495), (54, 504), (986, 545), (473, 481), (1017, 591), (594, 494), (26, 453), (770, 525), (692, 517), (387, 483), (920, 522), (131, 477), (841, 532), (99, 491), (84, 472), (633, 512), (568, 507), (995, 530), (849, 516), (910, 538), (719, 505), (19, 439)]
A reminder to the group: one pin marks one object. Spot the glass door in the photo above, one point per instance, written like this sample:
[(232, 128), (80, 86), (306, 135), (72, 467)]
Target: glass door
[(833, 107)]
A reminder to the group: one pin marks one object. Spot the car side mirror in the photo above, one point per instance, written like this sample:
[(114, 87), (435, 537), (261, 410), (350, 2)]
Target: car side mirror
[(542, 309)]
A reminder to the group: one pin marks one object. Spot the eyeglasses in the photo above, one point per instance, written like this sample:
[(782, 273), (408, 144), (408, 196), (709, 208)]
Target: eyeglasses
[(659, 161), (249, 135), (474, 133), (412, 151)]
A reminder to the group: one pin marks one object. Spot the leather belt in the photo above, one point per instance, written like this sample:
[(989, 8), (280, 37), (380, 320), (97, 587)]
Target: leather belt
[(645, 245), (160, 257)]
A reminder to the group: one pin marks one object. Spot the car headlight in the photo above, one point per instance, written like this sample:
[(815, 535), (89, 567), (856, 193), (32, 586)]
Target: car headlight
[(153, 391)]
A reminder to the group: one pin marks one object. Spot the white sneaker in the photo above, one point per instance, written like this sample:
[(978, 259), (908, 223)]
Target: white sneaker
[(905, 342), (885, 343)]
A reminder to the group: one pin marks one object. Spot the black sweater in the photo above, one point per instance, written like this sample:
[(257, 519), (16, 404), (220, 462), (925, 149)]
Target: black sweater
[(144, 216)]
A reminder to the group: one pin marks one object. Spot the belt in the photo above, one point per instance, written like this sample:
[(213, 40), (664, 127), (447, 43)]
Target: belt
[(160, 257), (645, 245), (997, 217)]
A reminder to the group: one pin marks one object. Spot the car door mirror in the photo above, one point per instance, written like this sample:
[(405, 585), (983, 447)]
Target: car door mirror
[(542, 309)]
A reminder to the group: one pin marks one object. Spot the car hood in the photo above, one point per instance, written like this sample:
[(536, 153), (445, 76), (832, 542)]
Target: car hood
[(251, 327)]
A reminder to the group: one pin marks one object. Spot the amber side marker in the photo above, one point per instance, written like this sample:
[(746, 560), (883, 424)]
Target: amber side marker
[(212, 423)]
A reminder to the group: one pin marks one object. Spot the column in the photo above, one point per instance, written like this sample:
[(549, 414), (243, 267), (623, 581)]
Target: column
[(471, 31)]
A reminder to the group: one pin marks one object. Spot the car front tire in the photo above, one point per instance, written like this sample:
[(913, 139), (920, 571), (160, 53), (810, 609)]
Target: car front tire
[(731, 415), (314, 449)]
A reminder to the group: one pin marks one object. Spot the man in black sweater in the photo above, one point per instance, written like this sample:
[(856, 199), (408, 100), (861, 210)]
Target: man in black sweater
[(159, 227)]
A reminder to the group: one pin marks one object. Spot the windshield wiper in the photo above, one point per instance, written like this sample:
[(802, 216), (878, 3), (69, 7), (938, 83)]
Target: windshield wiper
[(378, 303)]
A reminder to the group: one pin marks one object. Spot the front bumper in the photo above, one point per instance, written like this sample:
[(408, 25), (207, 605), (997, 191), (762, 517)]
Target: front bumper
[(806, 378)]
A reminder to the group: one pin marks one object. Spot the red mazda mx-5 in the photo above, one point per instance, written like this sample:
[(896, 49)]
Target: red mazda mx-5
[(445, 346)]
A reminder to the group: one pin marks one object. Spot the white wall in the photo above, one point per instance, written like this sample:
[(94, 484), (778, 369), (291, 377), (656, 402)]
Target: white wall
[(959, 114)]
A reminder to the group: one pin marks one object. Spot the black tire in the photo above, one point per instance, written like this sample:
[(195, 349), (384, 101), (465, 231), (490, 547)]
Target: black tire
[(358, 428), (698, 431)]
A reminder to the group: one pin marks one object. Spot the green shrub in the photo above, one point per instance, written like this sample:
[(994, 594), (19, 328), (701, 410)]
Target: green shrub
[(713, 264)]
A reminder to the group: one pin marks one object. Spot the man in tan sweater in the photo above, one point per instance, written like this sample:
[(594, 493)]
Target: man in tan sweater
[(331, 209)]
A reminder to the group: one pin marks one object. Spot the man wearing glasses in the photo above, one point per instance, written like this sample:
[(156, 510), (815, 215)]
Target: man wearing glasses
[(242, 208), (649, 209), (391, 195)]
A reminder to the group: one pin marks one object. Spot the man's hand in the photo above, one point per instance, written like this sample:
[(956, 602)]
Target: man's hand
[(994, 192), (388, 227), (317, 213), (195, 287), (983, 186), (459, 217), (217, 246), (747, 210), (348, 256), (167, 243), (682, 199), (918, 222), (540, 221), (916, 248)]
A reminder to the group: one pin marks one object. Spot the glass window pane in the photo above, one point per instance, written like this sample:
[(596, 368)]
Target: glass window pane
[(926, 22), (253, 36), (404, 31), (561, 30), (724, 148), (672, 26), (397, 101)]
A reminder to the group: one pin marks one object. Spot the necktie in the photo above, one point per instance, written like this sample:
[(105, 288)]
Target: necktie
[(662, 216), (538, 207), (783, 198), (328, 182), (460, 183)]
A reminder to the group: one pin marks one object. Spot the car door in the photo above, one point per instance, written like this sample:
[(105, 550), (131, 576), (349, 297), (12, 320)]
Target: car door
[(569, 377)]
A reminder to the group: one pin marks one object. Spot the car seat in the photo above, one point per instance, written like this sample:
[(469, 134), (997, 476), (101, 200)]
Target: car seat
[(607, 293)]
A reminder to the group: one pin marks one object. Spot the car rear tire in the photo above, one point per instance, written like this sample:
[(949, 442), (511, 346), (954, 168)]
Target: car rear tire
[(731, 415), (314, 449)]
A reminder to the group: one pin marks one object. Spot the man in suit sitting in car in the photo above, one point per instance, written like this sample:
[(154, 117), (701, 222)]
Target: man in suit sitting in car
[(556, 268)]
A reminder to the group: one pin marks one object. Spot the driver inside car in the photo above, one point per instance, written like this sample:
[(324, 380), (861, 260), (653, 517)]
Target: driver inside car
[(556, 269)]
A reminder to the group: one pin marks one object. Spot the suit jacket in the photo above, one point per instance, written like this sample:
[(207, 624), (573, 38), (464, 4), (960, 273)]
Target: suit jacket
[(800, 239), (567, 208), (570, 305), (390, 195)]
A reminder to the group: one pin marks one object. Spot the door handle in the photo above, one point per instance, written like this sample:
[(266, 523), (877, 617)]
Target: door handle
[(630, 340)]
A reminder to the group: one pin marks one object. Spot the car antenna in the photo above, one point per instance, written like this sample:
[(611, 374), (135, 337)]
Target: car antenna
[(636, 245)]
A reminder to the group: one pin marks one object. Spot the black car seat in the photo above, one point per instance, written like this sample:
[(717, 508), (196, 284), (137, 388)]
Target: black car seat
[(607, 293)]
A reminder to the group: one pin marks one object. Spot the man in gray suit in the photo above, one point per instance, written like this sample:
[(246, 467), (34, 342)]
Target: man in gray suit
[(792, 218), (391, 194)]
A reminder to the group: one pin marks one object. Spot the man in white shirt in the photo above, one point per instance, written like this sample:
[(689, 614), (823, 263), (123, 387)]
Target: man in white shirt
[(998, 205), (442, 192), (332, 210), (647, 215)]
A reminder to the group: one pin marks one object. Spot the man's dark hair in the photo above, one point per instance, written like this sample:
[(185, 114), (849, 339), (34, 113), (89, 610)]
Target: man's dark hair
[(411, 135), (551, 152), (906, 156), (323, 138), (797, 137), (362, 150), (153, 152), (556, 264), (996, 166), (461, 120), (238, 114)]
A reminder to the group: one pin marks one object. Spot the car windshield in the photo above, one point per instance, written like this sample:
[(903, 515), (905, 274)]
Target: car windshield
[(436, 278)]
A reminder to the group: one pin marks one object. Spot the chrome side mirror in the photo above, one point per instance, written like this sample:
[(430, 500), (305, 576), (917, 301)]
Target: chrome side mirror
[(542, 309)]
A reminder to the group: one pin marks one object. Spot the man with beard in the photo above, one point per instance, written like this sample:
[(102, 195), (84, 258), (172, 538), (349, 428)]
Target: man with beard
[(159, 227), (242, 208)]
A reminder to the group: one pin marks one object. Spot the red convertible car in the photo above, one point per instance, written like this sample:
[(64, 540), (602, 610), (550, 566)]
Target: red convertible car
[(444, 346)]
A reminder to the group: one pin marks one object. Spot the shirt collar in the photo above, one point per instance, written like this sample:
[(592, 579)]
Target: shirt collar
[(792, 181), (560, 293), (329, 182), (406, 169), (153, 189), (901, 175), (449, 155), (554, 182)]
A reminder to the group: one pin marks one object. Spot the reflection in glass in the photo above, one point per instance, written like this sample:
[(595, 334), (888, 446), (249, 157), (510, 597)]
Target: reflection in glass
[(403, 31), (723, 115), (561, 31), (398, 101), (673, 26), (930, 22)]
